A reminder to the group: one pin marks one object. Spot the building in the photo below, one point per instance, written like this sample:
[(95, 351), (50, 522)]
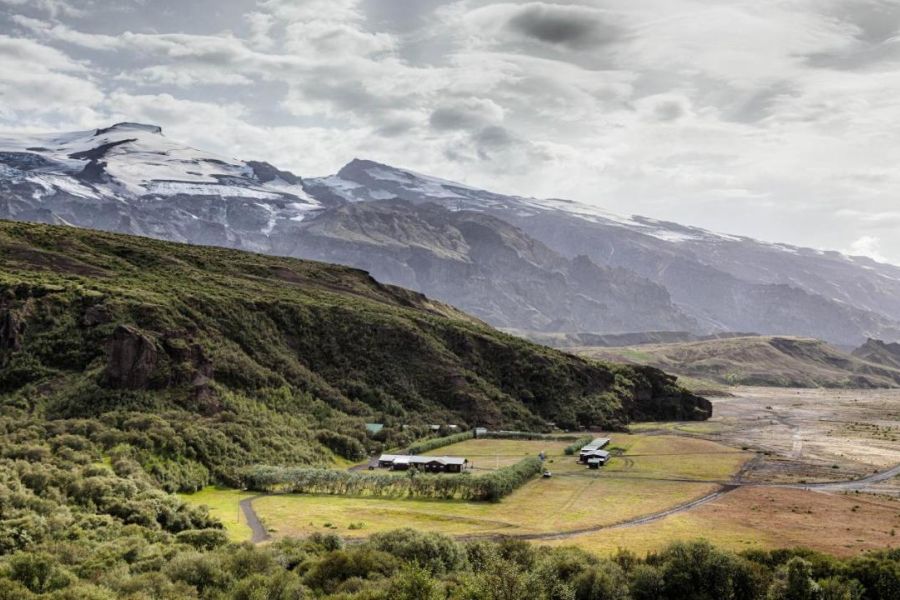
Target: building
[(432, 464), (598, 456), (596, 444), (373, 428), (594, 463), (480, 431)]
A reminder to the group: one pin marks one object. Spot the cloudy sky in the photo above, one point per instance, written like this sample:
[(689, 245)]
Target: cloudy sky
[(778, 119)]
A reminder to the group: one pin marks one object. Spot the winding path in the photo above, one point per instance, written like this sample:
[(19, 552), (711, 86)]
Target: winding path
[(260, 534)]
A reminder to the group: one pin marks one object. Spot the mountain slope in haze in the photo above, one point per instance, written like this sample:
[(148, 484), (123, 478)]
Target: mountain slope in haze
[(580, 268), (726, 283), (484, 265), (252, 358), (880, 353), (757, 360)]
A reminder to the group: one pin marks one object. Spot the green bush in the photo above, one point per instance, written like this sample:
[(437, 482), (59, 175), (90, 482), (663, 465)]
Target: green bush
[(578, 445), (440, 442)]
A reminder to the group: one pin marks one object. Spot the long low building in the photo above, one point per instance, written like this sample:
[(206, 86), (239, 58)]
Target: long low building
[(596, 444), (432, 464), (595, 457), (595, 450)]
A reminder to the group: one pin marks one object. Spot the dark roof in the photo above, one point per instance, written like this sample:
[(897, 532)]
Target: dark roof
[(421, 460)]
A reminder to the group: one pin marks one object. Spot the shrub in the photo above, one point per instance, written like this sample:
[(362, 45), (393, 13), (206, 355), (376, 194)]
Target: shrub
[(437, 553), (440, 442), (578, 445), (203, 539)]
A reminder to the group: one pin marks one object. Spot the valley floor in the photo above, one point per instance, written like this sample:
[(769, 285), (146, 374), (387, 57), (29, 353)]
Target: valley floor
[(746, 478)]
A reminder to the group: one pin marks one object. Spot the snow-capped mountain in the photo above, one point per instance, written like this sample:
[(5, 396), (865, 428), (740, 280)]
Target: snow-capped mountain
[(521, 263), (131, 178)]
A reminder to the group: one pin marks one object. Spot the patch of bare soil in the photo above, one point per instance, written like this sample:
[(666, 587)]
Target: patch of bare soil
[(840, 524), (812, 435)]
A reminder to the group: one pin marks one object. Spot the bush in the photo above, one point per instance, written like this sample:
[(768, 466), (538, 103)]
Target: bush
[(203, 539), (437, 553), (342, 445), (435, 443), (580, 443)]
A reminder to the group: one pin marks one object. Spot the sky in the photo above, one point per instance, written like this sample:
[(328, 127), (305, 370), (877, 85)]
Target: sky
[(777, 119)]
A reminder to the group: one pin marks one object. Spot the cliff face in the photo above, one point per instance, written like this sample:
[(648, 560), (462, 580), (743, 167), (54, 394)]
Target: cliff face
[(92, 323)]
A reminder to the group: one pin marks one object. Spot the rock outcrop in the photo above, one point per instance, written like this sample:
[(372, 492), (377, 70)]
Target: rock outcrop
[(132, 359)]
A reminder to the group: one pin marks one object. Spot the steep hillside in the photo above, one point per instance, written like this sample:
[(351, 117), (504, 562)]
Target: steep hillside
[(251, 358), (759, 360)]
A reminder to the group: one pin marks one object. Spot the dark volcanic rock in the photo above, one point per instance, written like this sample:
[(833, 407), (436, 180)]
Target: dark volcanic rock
[(11, 329), (132, 358)]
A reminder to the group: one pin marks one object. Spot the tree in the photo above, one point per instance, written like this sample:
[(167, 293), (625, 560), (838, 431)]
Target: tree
[(794, 582), (414, 582)]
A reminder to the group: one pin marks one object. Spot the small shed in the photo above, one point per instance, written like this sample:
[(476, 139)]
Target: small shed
[(480, 431)]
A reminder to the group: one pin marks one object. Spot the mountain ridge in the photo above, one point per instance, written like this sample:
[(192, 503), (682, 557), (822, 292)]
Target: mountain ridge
[(777, 361), (606, 273)]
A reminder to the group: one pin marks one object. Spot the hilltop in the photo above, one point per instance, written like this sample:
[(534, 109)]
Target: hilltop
[(757, 360), (247, 358), (879, 352)]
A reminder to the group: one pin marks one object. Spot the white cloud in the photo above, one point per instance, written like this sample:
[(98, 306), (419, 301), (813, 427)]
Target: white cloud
[(37, 81), (867, 245)]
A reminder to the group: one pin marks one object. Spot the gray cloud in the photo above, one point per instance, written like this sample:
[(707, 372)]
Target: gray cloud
[(572, 26)]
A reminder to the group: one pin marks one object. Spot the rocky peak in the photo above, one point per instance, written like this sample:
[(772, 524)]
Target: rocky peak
[(127, 126)]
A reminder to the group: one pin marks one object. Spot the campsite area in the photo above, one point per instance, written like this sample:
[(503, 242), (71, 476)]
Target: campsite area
[(768, 469)]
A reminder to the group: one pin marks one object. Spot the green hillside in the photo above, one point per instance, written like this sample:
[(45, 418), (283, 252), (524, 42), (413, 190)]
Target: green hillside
[(199, 361)]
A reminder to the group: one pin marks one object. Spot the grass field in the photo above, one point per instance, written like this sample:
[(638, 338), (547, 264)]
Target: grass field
[(650, 473), (644, 479), (223, 503)]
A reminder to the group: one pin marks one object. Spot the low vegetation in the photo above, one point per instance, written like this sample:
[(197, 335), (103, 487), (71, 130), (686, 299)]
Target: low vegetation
[(439, 442), (578, 445), (411, 484)]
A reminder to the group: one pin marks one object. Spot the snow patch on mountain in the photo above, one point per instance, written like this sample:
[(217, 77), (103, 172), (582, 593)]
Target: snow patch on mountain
[(135, 160)]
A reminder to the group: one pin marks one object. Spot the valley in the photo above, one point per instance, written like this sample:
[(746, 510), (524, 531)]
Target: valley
[(762, 473)]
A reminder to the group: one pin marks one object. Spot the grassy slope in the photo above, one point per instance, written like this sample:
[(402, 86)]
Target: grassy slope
[(758, 360), (249, 358)]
